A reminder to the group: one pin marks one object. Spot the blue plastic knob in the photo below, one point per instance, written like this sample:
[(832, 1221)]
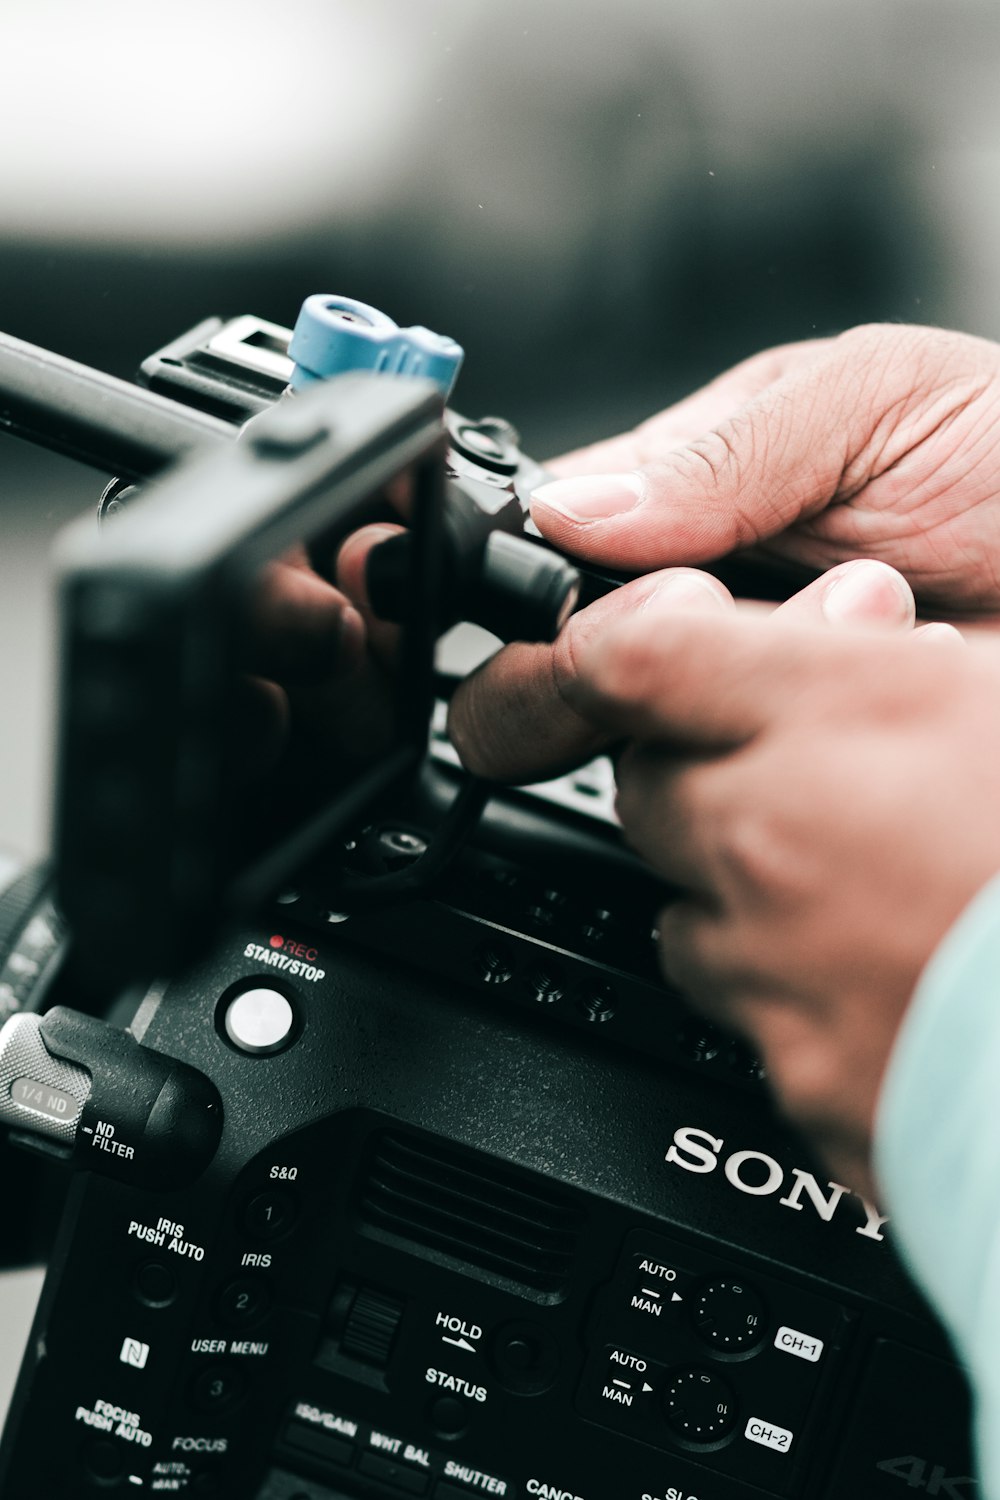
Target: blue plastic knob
[(335, 334)]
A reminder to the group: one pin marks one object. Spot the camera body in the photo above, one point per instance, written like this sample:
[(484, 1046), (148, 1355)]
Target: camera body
[(489, 1213)]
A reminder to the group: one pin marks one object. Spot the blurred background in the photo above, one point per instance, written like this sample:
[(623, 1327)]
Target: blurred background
[(605, 204)]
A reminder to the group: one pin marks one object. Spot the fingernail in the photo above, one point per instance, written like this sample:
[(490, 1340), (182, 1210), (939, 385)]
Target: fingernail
[(686, 591), (869, 593), (940, 630), (591, 497)]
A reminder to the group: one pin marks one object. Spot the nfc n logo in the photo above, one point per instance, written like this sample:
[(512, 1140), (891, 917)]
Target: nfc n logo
[(134, 1353)]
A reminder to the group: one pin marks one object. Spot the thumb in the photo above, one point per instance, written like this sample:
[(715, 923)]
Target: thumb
[(777, 459)]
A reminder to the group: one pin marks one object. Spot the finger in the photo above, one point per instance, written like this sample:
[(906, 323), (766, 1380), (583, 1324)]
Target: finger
[(296, 627), (805, 1074), (781, 456), (862, 592), (711, 682), (697, 959), (939, 633), (694, 415), (348, 720), (257, 729), (670, 805), (351, 574), (512, 720)]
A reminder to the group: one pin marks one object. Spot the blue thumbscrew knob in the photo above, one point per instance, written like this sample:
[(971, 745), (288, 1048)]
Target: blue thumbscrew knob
[(335, 334)]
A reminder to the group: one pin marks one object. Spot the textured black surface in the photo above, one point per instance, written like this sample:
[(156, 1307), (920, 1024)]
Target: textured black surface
[(387, 1059)]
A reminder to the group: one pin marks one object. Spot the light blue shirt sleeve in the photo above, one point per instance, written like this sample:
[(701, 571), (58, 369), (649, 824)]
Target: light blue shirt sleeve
[(937, 1151)]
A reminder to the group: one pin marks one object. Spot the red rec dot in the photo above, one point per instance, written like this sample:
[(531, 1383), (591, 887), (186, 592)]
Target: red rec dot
[(277, 942)]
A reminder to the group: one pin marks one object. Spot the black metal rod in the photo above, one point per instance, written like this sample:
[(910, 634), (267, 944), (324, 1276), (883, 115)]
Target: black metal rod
[(108, 423)]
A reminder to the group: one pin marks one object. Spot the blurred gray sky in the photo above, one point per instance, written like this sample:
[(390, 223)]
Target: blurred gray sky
[(222, 124)]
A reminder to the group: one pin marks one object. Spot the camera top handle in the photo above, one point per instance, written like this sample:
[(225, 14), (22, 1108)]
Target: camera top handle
[(95, 418)]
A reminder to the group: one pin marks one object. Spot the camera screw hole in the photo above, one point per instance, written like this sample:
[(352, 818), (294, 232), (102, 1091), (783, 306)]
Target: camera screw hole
[(493, 964), (398, 842), (543, 986), (597, 1001)]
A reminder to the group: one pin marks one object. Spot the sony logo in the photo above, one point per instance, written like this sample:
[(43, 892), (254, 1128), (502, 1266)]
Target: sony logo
[(759, 1175)]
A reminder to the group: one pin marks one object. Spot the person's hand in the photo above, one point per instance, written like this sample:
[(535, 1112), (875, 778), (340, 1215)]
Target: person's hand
[(827, 802), (316, 693), (880, 444), (518, 718)]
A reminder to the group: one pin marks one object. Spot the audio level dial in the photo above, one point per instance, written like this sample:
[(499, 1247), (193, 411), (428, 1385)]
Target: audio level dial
[(729, 1316), (699, 1406)]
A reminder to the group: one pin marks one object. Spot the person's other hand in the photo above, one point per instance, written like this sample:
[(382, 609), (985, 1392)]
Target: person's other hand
[(518, 718), (318, 667), (880, 443), (826, 802)]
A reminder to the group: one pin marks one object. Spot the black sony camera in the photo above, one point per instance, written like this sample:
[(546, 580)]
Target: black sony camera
[(402, 1172)]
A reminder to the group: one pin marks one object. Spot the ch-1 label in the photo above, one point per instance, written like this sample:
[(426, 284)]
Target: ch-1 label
[(790, 1341)]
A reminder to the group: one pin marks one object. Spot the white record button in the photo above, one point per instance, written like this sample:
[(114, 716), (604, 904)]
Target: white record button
[(259, 1021)]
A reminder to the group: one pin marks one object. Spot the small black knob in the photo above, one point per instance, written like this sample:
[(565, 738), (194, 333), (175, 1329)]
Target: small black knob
[(699, 1406), (729, 1315)]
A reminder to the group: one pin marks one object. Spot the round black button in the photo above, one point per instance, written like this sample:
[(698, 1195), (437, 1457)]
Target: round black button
[(103, 1461), (729, 1315), (244, 1301), (525, 1357), (699, 1406), (270, 1213), (519, 1354), (217, 1388), (489, 444), (448, 1417), (155, 1284)]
